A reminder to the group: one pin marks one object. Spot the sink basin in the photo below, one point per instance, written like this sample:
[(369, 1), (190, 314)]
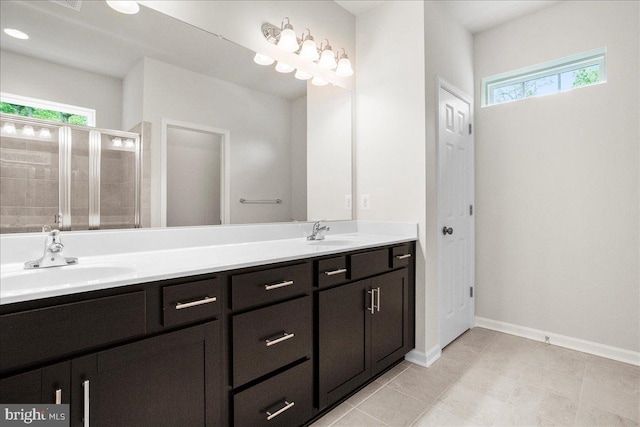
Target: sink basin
[(24, 280)]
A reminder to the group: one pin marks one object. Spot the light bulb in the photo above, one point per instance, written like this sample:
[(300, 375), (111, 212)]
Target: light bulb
[(301, 75), (288, 41), (327, 60), (117, 142), (27, 130), (318, 81), (281, 67), (16, 33), (344, 67), (126, 7), (44, 133), (309, 50), (263, 59), (128, 143), (9, 128)]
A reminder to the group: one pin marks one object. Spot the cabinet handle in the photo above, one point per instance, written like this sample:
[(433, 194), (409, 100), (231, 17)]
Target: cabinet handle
[(59, 396), (206, 300), (334, 272), (378, 299), (405, 256), (278, 285), (285, 337), (372, 308), (287, 405), (85, 414)]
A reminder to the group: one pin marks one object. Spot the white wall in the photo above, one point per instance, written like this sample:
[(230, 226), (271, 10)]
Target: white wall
[(396, 126), (557, 182), (132, 96), (260, 135), (299, 159), (328, 152), (35, 78)]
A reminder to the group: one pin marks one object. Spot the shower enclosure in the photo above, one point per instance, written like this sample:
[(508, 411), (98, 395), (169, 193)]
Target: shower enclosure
[(67, 176)]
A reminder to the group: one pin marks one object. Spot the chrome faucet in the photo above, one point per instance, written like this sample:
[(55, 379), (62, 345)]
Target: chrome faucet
[(52, 256), (316, 231)]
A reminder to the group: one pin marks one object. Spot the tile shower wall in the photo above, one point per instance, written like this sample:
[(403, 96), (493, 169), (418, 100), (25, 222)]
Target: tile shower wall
[(28, 183)]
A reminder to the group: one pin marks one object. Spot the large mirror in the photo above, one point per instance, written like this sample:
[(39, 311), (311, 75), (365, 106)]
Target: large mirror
[(224, 140)]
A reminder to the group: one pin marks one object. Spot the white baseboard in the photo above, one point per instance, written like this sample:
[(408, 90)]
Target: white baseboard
[(615, 353), (424, 359)]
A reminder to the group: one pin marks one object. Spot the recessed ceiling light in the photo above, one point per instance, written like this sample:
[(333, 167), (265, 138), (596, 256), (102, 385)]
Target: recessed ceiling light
[(16, 33), (128, 7)]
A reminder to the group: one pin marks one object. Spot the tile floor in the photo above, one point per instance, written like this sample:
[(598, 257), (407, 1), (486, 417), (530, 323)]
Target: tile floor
[(494, 379)]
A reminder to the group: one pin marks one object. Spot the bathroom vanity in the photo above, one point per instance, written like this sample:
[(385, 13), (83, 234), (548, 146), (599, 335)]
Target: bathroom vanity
[(271, 342)]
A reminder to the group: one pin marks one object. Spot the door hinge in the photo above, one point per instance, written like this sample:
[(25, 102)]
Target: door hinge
[(471, 291), (470, 209), (469, 128)]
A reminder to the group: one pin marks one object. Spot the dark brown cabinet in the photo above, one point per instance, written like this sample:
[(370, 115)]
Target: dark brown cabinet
[(51, 384), (363, 328)]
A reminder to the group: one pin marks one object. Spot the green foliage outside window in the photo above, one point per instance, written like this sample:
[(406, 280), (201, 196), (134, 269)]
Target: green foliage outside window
[(55, 116), (586, 76)]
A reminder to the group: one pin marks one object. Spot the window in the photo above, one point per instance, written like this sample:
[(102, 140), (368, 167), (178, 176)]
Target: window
[(543, 79), (46, 110)]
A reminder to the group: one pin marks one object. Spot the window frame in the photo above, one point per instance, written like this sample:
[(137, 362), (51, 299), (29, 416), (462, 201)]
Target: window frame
[(547, 69), (26, 101)]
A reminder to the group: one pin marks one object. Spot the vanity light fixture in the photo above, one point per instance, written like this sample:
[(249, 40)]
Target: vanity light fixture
[(16, 33), (9, 128), (284, 37), (44, 133), (126, 7), (128, 143), (263, 59), (116, 142), (27, 130), (344, 65)]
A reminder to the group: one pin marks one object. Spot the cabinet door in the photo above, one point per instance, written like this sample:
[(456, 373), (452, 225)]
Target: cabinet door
[(343, 361), (40, 386), (168, 380), (389, 323)]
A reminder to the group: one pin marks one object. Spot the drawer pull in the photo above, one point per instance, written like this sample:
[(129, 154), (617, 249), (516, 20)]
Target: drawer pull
[(285, 337), (206, 300), (85, 412), (334, 272), (287, 406), (372, 308), (58, 396), (405, 256), (278, 285)]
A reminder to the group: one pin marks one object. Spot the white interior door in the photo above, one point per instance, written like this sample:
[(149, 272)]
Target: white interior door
[(455, 201)]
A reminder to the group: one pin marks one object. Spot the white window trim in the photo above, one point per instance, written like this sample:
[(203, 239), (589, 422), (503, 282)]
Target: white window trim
[(558, 66), (89, 113)]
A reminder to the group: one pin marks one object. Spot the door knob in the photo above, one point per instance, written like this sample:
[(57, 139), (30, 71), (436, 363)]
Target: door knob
[(446, 230)]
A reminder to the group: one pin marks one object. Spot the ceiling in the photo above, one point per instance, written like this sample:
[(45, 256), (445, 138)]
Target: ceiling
[(474, 15)]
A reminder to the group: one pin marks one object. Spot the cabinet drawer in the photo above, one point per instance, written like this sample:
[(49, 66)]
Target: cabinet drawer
[(46, 333), (270, 338), (189, 302), (332, 271), (369, 263), (284, 400), (400, 256), (264, 286)]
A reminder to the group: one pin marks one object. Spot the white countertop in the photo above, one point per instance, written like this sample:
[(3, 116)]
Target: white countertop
[(120, 268)]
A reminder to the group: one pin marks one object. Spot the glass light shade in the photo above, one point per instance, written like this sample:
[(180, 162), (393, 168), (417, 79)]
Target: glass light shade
[(309, 50), (27, 130), (9, 128), (128, 143), (318, 81), (327, 60), (117, 142), (16, 33), (44, 133), (344, 67), (288, 41), (126, 7), (263, 59), (301, 75), (281, 67)]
